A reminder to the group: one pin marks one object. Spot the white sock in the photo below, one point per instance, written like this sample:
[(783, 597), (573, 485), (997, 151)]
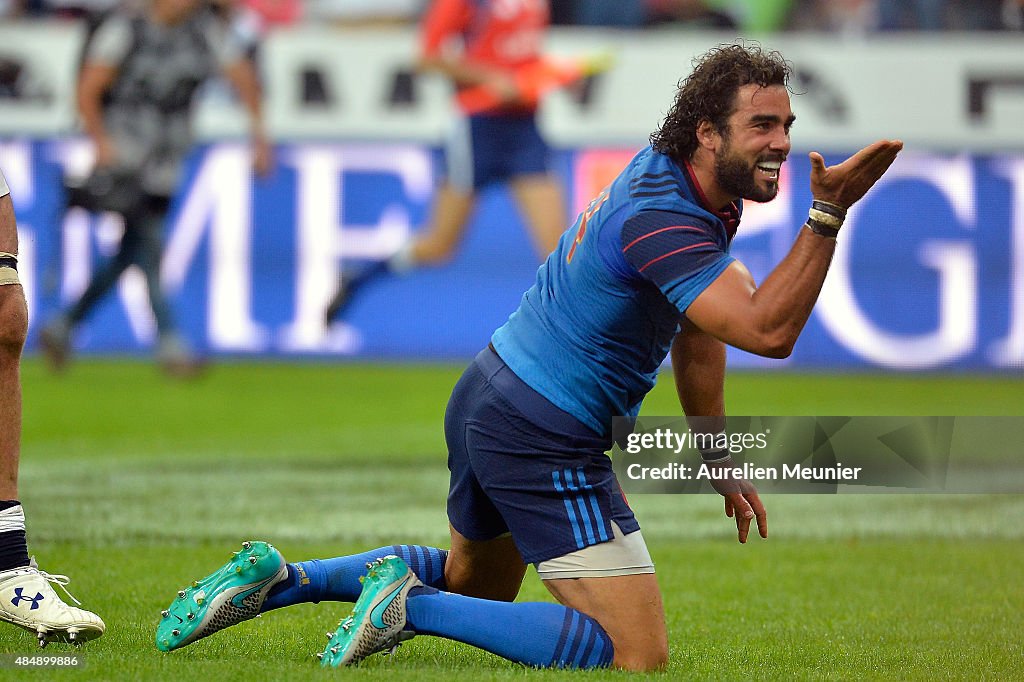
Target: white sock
[(401, 261)]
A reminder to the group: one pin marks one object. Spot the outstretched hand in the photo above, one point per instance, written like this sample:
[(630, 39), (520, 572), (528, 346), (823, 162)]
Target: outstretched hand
[(844, 184)]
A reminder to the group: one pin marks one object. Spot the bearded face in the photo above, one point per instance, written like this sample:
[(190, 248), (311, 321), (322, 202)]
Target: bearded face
[(751, 177)]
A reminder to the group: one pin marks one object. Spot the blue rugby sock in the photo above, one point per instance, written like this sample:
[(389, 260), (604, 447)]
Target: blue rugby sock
[(536, 633), (338, 579)]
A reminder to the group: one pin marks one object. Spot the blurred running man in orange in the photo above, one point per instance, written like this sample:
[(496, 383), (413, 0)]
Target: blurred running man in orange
[(485, 47)]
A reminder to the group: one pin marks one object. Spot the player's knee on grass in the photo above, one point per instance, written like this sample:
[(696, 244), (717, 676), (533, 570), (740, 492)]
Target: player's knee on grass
[(613, 582), (641, 661)]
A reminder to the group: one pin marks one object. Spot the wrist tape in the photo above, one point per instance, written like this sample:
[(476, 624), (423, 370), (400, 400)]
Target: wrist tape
[(716, 454), (825, 218)]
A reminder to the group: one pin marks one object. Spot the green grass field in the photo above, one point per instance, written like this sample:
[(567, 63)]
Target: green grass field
[(134, 485)]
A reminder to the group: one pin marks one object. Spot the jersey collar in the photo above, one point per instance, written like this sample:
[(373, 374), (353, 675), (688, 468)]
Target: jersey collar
[(730, 215)]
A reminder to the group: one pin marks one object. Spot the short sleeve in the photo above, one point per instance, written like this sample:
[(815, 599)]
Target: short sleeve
[(679, 254), (228, 46), (443, 19), (4, 189), (111, 42)]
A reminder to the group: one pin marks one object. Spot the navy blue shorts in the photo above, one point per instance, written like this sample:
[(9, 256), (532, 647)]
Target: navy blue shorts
[(495, 148), (521, 465)]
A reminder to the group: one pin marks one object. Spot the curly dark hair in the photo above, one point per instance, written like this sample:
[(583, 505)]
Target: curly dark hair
[(709, 93)]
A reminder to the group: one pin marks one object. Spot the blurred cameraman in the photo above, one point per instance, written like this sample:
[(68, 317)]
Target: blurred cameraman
[(136, 88)]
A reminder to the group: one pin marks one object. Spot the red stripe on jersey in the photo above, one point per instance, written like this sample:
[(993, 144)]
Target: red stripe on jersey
[(664, 229), (672, 253)]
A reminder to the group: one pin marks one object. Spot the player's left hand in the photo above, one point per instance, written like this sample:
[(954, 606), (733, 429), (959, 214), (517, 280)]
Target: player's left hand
[(746, 506), (741, 500), (845, 183)]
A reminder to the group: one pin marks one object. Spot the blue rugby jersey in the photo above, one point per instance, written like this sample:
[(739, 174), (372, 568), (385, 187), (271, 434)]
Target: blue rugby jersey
[(592, 331)]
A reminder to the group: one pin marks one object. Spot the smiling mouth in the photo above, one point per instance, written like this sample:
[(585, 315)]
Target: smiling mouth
[(769, 169)]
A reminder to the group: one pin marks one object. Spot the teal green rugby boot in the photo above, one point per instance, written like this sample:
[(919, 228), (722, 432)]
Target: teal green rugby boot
[(377, 622), (231, 594)]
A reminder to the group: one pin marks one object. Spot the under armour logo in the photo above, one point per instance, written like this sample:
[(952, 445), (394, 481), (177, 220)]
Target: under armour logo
[(21, 597)]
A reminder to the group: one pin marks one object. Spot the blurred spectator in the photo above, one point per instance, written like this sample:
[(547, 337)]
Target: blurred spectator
[(846, 17), (693, 13), (271, 13), (618, 13), (135, 94), (10, 9), (939, 15), (76, 9), (912, 15), (563, 12), (1013, 15), (976, 15)]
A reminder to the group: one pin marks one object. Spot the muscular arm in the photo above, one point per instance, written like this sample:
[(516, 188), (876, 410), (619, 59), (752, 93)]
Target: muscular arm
[(698, 364), (766, 320)]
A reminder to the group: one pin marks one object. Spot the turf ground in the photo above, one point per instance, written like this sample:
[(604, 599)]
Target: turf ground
[(134, 486)]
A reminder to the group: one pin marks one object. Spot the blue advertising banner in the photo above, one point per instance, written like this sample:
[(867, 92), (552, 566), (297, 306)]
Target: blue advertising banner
[(929, 273)]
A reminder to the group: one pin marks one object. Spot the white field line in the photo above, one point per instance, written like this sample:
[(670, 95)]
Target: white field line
[(107, 500)]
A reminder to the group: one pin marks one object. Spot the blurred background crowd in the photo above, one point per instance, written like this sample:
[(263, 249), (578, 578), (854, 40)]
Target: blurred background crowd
[(848, 17)]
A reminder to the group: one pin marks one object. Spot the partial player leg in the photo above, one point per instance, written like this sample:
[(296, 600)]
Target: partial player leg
[(394, 607), (448, 222), (616, 619), (257, 579), (13, 329), (630, 610), (433, 246), (453, 201), (26, 596), (491, 569), (614, 583), (338, 579), (483, 560), (56, 336), (147, 227), (173, 353), (543, 208)]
